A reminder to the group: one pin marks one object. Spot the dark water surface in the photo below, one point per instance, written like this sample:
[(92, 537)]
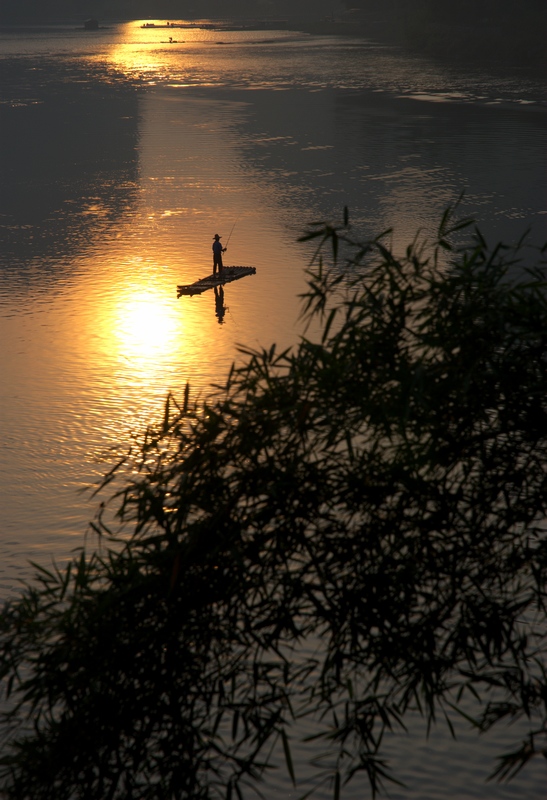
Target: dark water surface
[(121, 155)]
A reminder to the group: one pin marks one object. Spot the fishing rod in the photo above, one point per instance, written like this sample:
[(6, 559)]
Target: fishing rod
[(230, 236)]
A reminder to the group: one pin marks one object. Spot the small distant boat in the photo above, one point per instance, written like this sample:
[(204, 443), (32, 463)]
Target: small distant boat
[(91, 25), (229, 274)]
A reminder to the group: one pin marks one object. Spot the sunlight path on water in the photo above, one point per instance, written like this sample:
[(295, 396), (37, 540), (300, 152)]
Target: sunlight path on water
[(93, 356)]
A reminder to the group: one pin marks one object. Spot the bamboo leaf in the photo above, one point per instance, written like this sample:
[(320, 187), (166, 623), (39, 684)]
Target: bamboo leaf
[(288, 757)]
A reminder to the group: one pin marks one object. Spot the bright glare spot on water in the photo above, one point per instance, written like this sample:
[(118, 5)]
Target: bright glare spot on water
[(143, 327)]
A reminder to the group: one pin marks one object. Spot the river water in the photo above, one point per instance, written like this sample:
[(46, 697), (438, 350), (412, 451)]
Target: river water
[(122, 154)]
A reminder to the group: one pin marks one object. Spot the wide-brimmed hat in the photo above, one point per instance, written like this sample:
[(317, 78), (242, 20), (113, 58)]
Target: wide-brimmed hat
[(216, 236)]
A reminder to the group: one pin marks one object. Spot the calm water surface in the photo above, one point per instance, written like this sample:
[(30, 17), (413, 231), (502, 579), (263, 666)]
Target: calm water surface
[(122, 154)]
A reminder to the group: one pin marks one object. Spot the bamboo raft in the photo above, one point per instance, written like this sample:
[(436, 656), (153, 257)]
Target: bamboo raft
[(229, 274)]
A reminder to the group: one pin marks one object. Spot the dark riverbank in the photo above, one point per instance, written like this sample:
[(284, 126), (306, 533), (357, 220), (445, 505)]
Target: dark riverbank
[(518, 45), (485, 46)]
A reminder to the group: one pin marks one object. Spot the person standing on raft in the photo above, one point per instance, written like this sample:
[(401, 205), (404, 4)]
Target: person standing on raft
[(218, 250)]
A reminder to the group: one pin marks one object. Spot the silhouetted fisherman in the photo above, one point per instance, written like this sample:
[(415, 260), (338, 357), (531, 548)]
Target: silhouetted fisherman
[(218, 250)]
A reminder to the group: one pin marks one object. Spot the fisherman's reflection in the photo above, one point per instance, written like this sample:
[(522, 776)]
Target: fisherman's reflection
[(220, 308)]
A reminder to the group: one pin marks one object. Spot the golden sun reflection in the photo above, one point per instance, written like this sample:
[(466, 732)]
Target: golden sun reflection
[(143, 326), (146, 53), (140, 343), (132, 61)]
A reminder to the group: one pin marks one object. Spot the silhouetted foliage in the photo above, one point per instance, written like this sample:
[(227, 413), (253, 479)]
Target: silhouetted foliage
[(346, 532)]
